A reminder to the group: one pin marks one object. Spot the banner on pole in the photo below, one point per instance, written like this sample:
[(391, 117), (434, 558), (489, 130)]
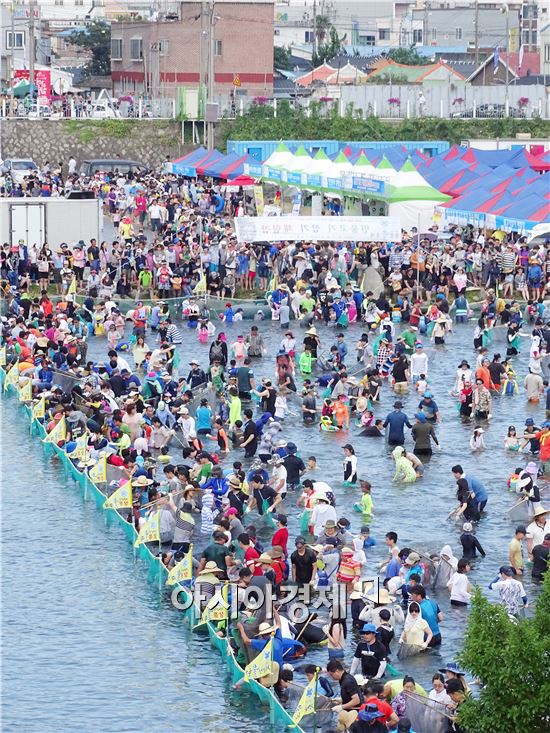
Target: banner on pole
[(318, 228)]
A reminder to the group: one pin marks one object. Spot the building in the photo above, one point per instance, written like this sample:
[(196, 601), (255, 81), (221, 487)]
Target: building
[(545, 50), (463, 28), (389, 72), (160, 57), (20, 30)]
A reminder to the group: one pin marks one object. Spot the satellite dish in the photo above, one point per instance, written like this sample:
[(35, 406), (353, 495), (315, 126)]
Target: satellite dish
[(61, 86)]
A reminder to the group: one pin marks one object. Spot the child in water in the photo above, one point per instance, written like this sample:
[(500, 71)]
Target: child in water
[(350, 465), (477, 443)]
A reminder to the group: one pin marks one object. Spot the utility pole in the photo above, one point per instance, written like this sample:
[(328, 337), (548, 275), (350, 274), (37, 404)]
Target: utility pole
[(314, 48), (12, 58), (210, 125), (507, 97), (202, 56), (32, 49), (476, 32)]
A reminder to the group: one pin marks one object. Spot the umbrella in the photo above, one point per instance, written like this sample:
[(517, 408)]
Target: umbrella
[(24, 88), (432, 236)]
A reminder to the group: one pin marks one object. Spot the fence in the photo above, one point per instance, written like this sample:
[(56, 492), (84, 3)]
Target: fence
[(73, 108), (447, 101)]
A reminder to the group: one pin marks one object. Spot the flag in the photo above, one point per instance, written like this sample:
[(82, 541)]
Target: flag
[(217, 606), (80, 452), (3, 355), (121, 498), (58, 433), (262, 665), (98, 473), (25, 392), (183, 570), (496, 59), (12, 377), (272, 284), (39, 410), (200, 287), (306, 705), (150, 532), (72, 287)]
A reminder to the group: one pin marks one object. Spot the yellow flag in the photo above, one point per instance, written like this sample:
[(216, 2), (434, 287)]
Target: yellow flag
[(80, 452), (217, 607), (150, 532), (261, 666), (58, 433), (3, 355), (272, 284), (72, 287), (306, 705), (98, 473), (12, 377), (200, 287), (121, 498), (39, 410), (25, 392), (183, 570)]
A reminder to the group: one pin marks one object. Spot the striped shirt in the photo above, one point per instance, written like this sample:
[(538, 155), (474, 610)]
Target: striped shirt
[(173, 334)]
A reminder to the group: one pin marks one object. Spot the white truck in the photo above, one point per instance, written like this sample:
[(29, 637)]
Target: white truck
[(51, 220)]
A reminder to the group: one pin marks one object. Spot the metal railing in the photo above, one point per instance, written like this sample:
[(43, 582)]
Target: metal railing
[(139, 109)]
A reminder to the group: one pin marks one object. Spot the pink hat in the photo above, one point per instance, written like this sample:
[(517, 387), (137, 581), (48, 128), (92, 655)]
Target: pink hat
[(231, 511)]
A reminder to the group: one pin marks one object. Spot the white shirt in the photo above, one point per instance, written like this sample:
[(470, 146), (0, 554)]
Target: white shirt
[(419, 363), (154, 211), (320, 515), (458, 586), (279, 475), (536, 533)]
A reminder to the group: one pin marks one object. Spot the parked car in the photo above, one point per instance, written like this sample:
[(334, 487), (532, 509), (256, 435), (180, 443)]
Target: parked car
[(39, 112), (491, 110), (89, 167), (539, 236), (104, 111), (18, 168)]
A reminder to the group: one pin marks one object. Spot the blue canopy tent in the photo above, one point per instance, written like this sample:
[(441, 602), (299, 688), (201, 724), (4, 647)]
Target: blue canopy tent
[(181, 166), (216, 167)]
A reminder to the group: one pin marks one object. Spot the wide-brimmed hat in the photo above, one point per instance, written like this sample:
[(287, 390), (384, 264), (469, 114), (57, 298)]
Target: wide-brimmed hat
[(312, 331), (265, 558), (142, 481), (532, 468), (265, 628), (380, 597), (369, 713), (452, 667), (319, 496), (360, 588), (276, 551), (540, 511), (398, 404), (210, 567)]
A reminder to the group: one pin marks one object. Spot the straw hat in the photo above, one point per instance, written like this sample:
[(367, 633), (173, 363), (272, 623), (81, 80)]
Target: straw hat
[(142, 481), (265, 628), (317, 548), (265, 559), (275, 552), (210, 567), (540, 511), (86, 464), (360, 588), (312, 331), (381, 598)]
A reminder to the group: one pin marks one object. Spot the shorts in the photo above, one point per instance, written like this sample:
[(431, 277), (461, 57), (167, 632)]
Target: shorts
[(203, 431)]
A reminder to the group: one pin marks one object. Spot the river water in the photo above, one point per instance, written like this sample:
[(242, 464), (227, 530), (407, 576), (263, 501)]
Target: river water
[(89, 645)]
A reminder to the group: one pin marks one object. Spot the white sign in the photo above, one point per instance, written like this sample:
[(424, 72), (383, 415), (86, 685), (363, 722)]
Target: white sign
[(318, 228)]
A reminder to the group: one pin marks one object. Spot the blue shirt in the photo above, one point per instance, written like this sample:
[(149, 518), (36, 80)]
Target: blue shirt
[(477, 487), (397, 421), (392, 568), (278, 650), (429, 610), (204, 418)]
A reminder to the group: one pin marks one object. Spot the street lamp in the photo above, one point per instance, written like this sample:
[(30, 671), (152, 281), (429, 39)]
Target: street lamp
[(506, 10)]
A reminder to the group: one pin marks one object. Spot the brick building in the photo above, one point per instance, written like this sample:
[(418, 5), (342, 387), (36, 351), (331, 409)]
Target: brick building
[(160, 57)]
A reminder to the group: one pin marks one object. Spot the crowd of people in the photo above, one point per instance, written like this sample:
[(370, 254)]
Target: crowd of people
[(206, 448)]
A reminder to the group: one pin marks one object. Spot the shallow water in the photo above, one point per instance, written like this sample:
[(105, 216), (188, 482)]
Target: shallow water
[(89, 645)]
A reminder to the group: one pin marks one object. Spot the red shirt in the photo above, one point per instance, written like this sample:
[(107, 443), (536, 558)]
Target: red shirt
[(280, 538), (250, 556), (382, 706)]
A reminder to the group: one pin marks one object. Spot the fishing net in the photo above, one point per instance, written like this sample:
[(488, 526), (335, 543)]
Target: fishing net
[(426, 716), (408, 650), (443, 574), (324, 717)]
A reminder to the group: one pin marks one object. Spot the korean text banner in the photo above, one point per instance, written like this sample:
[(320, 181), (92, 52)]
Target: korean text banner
[(318, 228)]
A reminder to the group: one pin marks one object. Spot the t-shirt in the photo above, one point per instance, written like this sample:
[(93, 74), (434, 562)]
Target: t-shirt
[(459, 588), (429, 610), (250, 429), (294, 466), (370, 655), (303, 565), (540, 560), (216, 553), (383, 706), (516, 553), (250, 556), (348, 688), (265, 493)]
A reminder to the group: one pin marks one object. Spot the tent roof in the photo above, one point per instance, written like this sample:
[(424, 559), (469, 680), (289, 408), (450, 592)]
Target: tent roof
[(208, 159)]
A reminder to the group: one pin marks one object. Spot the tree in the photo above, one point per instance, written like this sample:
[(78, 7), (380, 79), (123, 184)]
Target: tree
[(330, 49), (322, 27), (96, 39), (281, 58), (407, 56), (512, 659)]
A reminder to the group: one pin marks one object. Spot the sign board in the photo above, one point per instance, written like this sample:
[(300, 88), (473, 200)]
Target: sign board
[(318, 228), (363, 184), (42, 80)]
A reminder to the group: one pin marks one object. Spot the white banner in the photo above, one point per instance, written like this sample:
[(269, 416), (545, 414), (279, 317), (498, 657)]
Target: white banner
[(318, 228)]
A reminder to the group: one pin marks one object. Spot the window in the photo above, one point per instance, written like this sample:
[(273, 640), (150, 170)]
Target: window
[(136, 49), (58, 2), (526, 38), (276, 32), (116, 49), (384, 34), (417, 35), (309, 36), (458, 34), (434, 34), (79, 2), (547, 53), (533, 38), (15, 40), (164, 47), (365, 40), (218, 48)]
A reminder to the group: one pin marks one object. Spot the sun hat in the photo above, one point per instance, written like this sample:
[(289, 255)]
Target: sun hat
[(380, 597), (369, 713), (420, 416), (360, 588), (412, 559), (540, 511), (265, 628), (531, 468), (330, 523), (398, 404), (210, 567), (368, 629), (347, 551), (276, 551), (265, 558), (142, 481), (452, 667)]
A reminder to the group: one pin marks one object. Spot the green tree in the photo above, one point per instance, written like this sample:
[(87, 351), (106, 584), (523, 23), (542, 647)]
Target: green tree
[(322, 28), (407, 56), (330, 49), (281, 58), (96, 39), (512, 659)]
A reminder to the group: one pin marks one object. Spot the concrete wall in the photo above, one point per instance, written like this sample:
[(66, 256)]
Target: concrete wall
[(148, 142)]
